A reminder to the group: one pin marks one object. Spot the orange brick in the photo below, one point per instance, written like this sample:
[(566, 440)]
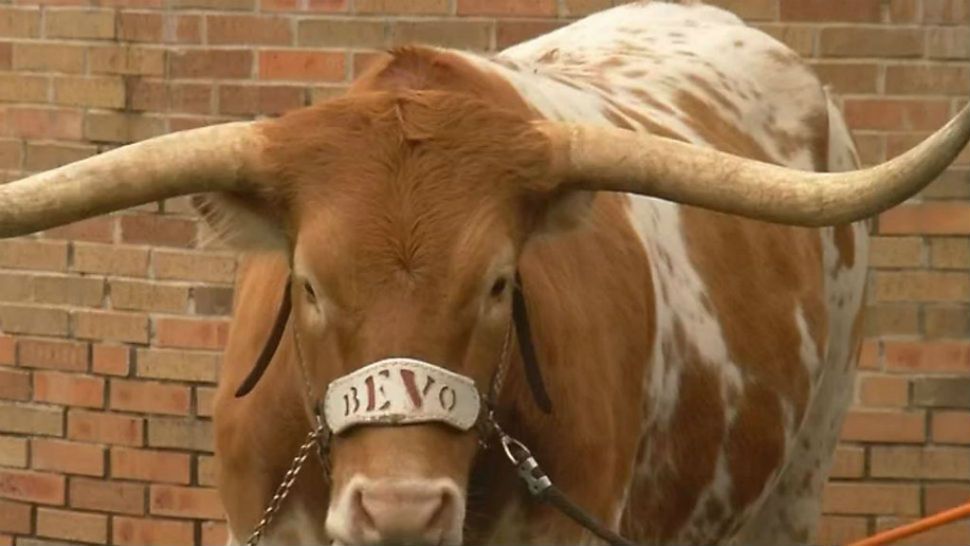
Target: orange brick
[(191, 333), (21, 88), (97, 230), (888, 427), (177, 365), (517, 8), (110, 359), (937, 218), (248, 30), (288, 64), (36, 487), (80, 23), (33, 419), (194, 502), (150, 466), (864, 498), (814, 10), (138, 531), (107, 496), (180, 433), (848, 462), (70, 525), (944, 496), (193, 266), (19, 22), (43, 321), (67, 457), (112, 326), (214, 533), (951, 427), (149, 397), (928, 357), (39, 122), (216, 63), (57, 355), (110, 259), (923, 463), (157, 230), (14, 385), (68, 389), (31, 254), (884, 391), (14, 517), (260, 99), (13, 452), (108, 428)]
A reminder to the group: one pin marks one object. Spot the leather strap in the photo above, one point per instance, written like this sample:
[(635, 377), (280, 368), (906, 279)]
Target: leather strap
[(272, 343)]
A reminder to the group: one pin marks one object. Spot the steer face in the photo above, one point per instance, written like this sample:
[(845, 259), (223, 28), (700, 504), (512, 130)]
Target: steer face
[(405, 216)]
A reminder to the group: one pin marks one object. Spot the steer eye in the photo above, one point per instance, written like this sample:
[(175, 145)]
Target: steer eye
[(311, 296), (498, 288)]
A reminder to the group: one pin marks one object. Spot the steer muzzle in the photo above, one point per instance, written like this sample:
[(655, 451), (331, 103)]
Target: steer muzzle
[(397, 511)]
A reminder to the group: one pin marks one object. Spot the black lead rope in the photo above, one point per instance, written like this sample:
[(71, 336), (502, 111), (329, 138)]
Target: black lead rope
[(272, 343), (523, 331)]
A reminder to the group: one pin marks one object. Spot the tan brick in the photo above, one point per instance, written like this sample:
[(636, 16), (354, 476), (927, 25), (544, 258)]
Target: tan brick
[(206, 471), (848, 462), (140, 27), (862, 498), (247, 5), (57, 355), (216, 63), (260, 99), (411, 7), (110, 259), (107, 496), (852, 41), (747, 9), (156, 96), (150, 229), (340, 33), (99, 229), (113, 326), (946, 321), (148, 296), (151, 466), (110, 359), (461, 34), (946, 11), (193, 266), (198, 502), (923, 463), (509, 33), (950, 253), (67, 457), (22, 88), (204, 401), (943, 392), (82, 291), (35, 487), (856, 11), (71, 525), (927, 80), (896, 252), (887, 427), (149, 397), (177, 365), (924, 286), (45, 156), (31, 419), (97, 92), (213, 300), (248, 30), (215, 533), (15, 517), (11, 154), (126, 59), (80, 23), (68, 389), (13, 453), (180, 433), (520, 8), (43, 321), (948, 43), (108, 428), (928, 356), (954, 534), (138, 531), (841, 529), (884, 391), (16, 287), (951, 427), (904, 11), (19, 22), (44, 57)]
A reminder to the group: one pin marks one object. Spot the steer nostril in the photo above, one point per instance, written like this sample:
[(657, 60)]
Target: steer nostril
[(409, 512)]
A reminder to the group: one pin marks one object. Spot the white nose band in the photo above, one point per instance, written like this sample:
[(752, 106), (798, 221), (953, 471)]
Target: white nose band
[(401, 391)]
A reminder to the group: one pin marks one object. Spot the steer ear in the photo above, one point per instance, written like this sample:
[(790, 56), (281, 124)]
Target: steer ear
[(244, 222)]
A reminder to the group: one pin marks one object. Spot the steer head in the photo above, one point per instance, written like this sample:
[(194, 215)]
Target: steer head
[(402, 210)]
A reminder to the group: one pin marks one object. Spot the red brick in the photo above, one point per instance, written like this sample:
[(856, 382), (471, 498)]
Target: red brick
[(14, 517), (872, 426), (140, 27), (150, 229), (824, 10), (304, 5), (927, 80), (191, 333), (14, 385), (853, 41), (936, 218), (194, 502), (841, 529), (928, 357), (111, 326), (127, 59), (155, 96), (138, 531), (896, 114), (410, 7), (32, 122), (848, 462), (262, 99), (67, 457), (36, 487), (97, 230), (110, 359), (107, 496), (214, 533), (884, 391), (149, 397), (108, 428), (151, 466), (215, 63), (188, 29), (517, 8), (922, 463), (68, 389), (70, 525), (57, 355), (848, 77), (7, 348), (944, 496), (951, 427), (862, 498), (314, 66), (248, 30)]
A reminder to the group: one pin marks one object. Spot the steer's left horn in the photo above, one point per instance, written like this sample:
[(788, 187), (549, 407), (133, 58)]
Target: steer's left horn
[(611, 159), (220, 157)]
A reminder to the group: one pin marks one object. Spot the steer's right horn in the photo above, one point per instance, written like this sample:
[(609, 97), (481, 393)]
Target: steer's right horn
[(215, 158)]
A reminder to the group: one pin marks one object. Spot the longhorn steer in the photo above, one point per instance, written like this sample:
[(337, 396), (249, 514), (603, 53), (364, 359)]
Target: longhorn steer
[(660, 175)]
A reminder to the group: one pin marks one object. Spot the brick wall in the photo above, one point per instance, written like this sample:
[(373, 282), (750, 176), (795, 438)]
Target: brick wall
[(112, 327)]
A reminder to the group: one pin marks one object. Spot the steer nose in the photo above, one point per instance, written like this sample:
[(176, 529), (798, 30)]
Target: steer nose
[(399, 512)]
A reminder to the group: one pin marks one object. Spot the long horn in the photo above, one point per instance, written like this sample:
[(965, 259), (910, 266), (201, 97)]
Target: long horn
[(214, 158), (611, 159)]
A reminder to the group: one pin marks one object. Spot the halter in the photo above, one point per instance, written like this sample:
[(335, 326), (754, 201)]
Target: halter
[(395, 391)]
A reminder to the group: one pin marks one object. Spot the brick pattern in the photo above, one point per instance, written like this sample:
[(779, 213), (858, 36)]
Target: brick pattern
[(112, 326)]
